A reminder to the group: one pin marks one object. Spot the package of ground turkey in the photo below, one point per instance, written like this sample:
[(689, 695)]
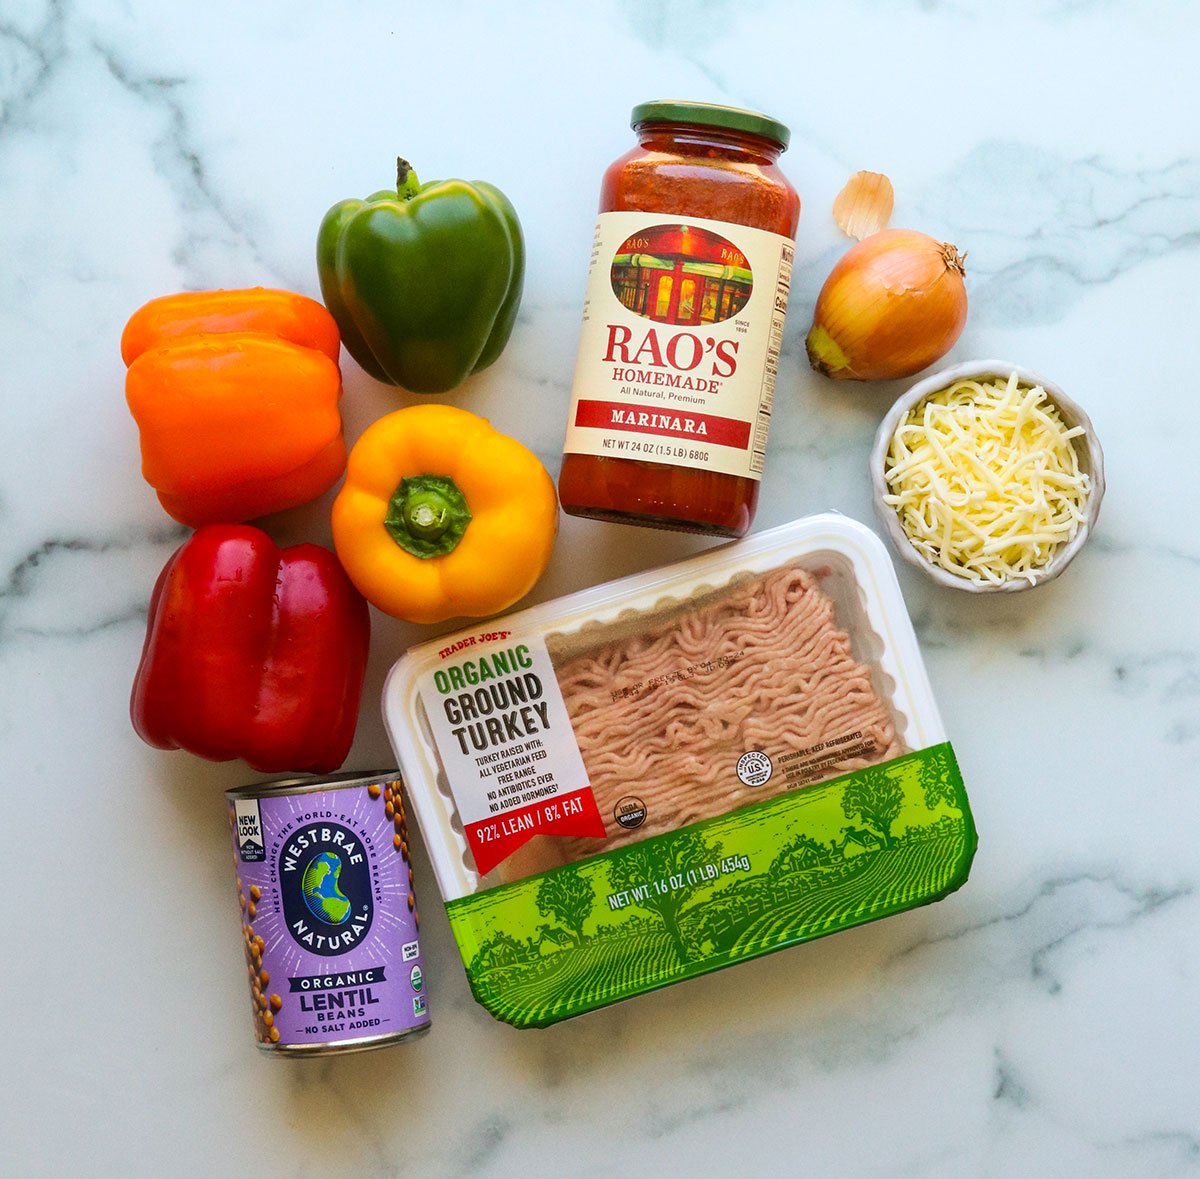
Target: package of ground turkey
[(663, 707)]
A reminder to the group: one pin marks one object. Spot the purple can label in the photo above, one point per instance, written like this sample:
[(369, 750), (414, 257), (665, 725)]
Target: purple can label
[(329, 918)]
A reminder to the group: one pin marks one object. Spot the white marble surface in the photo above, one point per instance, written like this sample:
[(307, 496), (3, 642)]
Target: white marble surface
[(1042, 1021)]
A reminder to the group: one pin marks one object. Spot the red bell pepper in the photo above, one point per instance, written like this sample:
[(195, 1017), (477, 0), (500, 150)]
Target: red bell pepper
[(252, 651)]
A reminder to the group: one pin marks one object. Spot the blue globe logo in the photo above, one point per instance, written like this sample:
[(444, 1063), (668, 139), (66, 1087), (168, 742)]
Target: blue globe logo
[(322, 896)]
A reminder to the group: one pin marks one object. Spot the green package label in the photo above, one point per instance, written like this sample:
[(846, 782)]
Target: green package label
[(796, 867)]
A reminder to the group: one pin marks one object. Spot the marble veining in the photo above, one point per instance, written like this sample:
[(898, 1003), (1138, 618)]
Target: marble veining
[(1041, 1021), (47, 595), (1077, 223)]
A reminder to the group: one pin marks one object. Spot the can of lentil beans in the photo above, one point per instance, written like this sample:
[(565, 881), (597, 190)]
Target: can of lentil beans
[(329, 915)]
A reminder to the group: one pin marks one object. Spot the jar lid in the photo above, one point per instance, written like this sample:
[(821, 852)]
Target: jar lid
[(708, 114)]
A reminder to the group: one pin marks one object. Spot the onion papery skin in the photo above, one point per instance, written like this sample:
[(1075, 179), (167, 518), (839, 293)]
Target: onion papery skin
[(892, 305)]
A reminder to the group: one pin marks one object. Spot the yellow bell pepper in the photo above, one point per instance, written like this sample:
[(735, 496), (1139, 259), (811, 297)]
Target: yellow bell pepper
[(442, 516)]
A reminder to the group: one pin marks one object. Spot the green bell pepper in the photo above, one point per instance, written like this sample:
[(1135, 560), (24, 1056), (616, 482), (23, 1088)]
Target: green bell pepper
[(424, 282)]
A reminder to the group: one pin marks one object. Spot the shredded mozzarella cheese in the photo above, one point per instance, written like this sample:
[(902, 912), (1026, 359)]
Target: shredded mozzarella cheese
[(986, 480)]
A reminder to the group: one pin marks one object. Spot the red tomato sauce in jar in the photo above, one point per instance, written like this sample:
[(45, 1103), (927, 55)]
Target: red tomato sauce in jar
[(682, 323)]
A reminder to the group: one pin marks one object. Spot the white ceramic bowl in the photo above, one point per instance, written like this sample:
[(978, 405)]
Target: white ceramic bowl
[(1091, 460)]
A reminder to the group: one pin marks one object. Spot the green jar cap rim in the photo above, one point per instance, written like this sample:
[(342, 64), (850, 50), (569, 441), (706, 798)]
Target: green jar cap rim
[(709, 114)]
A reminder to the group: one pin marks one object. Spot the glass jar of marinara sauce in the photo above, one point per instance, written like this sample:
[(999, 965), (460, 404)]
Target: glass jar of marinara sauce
[(682, 323)]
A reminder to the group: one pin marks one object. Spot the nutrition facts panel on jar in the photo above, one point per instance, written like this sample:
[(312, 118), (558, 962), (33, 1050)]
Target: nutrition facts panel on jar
[(766, 397)]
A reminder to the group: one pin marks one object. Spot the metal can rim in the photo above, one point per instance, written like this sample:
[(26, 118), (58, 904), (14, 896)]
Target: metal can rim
[(344, 1047), (305, 784)]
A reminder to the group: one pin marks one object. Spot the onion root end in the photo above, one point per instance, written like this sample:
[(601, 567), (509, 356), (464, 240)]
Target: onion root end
[(826, 355)]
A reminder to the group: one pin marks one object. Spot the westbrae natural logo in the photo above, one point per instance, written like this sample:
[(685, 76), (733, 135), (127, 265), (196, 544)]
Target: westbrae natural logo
[(325, 881)]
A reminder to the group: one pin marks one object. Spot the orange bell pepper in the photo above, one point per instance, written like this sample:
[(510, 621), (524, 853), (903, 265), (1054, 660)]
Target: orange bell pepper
[(235, 394)]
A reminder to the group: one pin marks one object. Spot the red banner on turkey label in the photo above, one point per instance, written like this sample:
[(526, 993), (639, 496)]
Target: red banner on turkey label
[(495, 839)]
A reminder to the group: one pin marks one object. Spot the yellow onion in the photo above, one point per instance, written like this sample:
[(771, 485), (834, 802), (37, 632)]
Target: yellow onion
[(894, 304)]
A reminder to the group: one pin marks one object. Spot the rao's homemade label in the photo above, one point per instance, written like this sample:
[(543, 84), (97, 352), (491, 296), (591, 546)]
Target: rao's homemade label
[(679, 351), (329, 920)]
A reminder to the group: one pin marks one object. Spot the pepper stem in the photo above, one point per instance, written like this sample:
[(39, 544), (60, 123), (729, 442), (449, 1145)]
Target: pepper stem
[(427, 515), (407, 183)]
